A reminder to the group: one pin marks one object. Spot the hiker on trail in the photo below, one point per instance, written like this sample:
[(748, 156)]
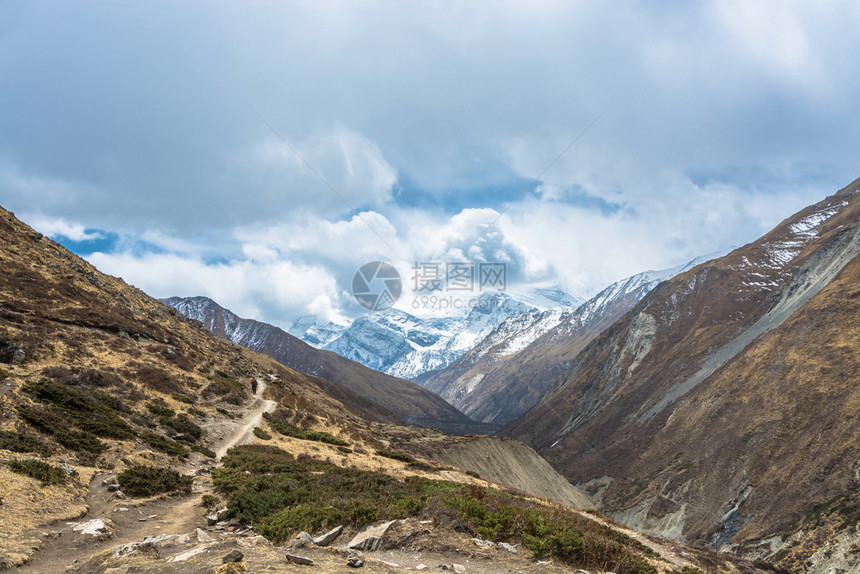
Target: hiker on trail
[(253, 386)]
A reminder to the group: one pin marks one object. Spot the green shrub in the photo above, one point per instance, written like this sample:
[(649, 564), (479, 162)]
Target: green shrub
[(160, 410), (182, 398), (209, 501), (261, 434), (278, 424), (18, 442), (39, 470), (90, 411), (394, 455), (207, 452), (85, 444), (182, 425), (164, 444), (325, 437), (279, 495), (149, 481)]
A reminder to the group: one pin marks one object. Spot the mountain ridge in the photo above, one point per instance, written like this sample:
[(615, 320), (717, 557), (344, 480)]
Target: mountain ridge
[(514, 366), (405, 399), (734, 344)]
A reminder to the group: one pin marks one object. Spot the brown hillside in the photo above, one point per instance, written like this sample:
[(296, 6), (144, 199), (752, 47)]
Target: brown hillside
[(723, 407), (97, 380)]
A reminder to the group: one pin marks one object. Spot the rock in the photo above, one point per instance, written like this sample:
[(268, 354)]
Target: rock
[(355, 562), (203, 536), (113, 487), (580, 571), (221, 514), (109, 480), (235, 556), (458, 568), (299, 559), (188, 554), (119, 495), (70, 470), (97, 528), (328, 537), (485, 544), (508, 547), (52, 534), (212, 519), (302, 540), (370, 537), (421, 567)]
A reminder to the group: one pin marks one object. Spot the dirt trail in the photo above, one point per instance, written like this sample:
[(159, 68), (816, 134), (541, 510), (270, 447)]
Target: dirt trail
[(252, 419), (135, 520)]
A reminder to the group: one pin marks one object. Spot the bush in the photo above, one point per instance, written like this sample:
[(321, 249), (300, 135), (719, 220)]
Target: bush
[(164, 444), (90, 411), (85, 444), (280, 495), (394, 455), (160, 410), (39, 470), (182, 398), (207, 452), (281, 426), (209, 501), (18, 442), (261, 434), (182, 425), (149, 481)]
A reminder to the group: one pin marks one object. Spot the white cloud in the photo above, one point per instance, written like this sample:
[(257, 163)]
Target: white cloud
[(721, 118), (274, 291), (55, 228), (326, 174)]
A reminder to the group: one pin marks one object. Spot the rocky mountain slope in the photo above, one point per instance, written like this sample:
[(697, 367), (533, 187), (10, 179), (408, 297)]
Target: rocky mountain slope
[(721, 409), (407, 346), (514, 366), (116, 411), (407, 400)]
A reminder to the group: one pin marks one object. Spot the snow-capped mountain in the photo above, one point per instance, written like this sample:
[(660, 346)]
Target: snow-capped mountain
[(407, 346), (388, 394), (512, 367)]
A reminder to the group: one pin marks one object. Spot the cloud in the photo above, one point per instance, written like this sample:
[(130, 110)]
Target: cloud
[(57, 228), (275, 291), (430, 121)]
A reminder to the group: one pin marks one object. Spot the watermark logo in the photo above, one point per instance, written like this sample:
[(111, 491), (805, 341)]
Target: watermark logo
[(377, 286), (436, 286)]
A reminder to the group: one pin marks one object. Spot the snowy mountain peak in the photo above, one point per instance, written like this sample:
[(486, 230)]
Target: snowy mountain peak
[(405, 345)]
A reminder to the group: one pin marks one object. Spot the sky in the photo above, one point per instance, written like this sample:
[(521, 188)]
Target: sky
[(259, 153)]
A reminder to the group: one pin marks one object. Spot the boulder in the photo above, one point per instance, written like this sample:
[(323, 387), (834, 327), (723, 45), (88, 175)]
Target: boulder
[(328, 537), (299, 559), (370, 537), (234, 556)]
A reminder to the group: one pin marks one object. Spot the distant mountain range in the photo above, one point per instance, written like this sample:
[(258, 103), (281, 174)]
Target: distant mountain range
[(517, 363), (406, 346), (405, 399)]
